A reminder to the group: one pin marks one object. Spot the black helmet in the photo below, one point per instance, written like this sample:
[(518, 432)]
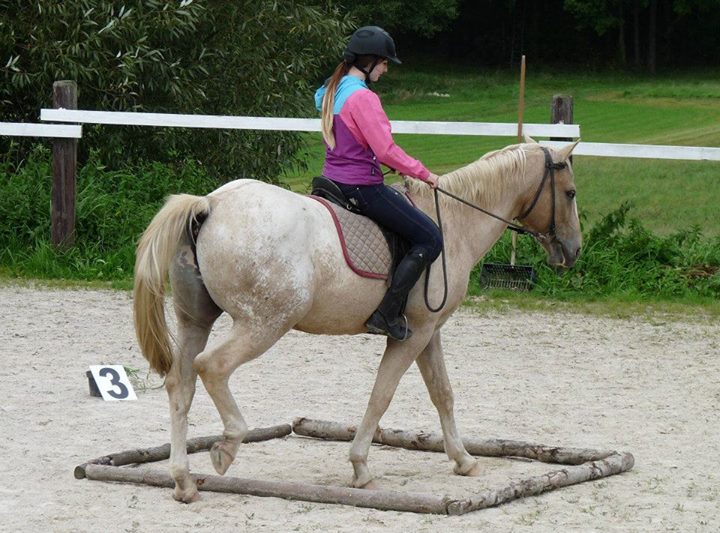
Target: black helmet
[(373, 41)]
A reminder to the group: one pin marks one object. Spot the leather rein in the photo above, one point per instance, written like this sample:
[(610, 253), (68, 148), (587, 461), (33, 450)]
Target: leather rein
[(550, 168)]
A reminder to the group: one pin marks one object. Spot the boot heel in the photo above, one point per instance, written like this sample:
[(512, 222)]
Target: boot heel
[(379, 325)]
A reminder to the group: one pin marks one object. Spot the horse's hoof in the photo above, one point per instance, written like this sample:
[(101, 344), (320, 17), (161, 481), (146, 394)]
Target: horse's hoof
[(221, 457), (472, 469), (371, 485), (186, 496), (364, 483)]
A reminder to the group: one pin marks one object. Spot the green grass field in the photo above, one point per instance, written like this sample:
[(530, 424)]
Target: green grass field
[(671, 255), (677, 109)]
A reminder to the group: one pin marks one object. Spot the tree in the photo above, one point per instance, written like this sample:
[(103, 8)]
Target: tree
[(242, 57), (602, 16), (427, 17)]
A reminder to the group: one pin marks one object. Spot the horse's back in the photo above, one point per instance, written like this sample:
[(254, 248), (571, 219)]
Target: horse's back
[(267, 251)]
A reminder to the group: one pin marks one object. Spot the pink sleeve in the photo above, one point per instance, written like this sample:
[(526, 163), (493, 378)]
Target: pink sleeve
[(366, 111)]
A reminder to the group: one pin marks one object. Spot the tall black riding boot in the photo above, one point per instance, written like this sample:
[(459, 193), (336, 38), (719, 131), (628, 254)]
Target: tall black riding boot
[(387, 320)]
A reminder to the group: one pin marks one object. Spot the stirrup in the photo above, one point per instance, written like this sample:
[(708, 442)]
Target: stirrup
[(379, 325)]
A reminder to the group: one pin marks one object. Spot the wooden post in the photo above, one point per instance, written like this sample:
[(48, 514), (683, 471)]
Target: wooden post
[(521, 112), (561, 112), (64, 171)]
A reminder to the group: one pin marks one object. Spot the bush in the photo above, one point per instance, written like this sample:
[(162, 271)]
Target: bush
[(113, 208), (259, 57), (621, 257)]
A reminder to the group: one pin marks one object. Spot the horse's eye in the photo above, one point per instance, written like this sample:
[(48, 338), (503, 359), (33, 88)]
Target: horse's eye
[(570, 194)]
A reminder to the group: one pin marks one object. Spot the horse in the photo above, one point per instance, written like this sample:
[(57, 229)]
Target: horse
[(272, 260)]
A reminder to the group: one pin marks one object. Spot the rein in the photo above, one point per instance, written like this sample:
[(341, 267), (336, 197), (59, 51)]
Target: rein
[(550, 168)]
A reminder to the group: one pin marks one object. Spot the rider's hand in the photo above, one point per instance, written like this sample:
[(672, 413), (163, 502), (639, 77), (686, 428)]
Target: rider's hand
[(432, 180)]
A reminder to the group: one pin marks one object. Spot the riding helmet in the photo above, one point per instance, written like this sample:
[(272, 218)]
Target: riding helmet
[(371, 40)]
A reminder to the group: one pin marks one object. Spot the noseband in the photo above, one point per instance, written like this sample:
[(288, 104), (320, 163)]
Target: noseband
[(550, 168)]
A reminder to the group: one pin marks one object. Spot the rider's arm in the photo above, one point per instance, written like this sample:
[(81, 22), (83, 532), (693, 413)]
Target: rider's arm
[(372, 122)]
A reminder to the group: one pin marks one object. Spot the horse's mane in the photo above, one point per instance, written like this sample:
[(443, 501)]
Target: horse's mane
[(484, 180)]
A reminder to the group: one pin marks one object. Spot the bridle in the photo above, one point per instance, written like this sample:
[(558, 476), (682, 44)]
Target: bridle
[(550, 168), (549, 235)]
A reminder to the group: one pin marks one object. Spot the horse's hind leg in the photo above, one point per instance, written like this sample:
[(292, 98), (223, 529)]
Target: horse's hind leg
[(215, 367), (434, 373), (196, 313), (180, 386)]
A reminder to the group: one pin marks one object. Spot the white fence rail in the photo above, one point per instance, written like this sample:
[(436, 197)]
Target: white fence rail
[(298, 124), (643, 151), (493, 129), (24, 129)]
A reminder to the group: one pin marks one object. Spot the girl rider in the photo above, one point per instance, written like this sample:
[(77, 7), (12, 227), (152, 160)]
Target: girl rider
[(358, 138)]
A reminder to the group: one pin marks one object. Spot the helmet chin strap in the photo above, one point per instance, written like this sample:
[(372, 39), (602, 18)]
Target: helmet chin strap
[(368, 81)]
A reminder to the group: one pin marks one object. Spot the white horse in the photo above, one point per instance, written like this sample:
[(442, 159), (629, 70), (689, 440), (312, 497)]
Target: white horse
[(272, 260)]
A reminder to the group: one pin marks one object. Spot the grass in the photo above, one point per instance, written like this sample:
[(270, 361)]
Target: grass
[(652, 235), (681, 109)]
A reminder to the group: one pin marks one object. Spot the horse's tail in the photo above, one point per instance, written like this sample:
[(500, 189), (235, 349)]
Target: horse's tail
[(170, 228)]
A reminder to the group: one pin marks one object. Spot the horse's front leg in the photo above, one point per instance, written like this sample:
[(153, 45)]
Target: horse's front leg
[(434, 373), (397, 359)]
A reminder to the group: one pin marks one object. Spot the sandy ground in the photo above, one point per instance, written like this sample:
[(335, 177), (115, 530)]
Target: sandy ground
[(647, 385)]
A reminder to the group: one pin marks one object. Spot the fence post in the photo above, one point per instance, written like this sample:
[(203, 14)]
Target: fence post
[(64, 171), (561, 112)]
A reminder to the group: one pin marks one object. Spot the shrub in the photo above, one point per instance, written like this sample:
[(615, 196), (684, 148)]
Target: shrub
[(258, 57), (621, 257), (113, 208)]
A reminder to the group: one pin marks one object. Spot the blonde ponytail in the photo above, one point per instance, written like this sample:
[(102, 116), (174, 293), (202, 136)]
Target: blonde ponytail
[(328, 103)]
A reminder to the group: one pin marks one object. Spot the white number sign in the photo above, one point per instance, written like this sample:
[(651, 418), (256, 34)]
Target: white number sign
[(112, 382)]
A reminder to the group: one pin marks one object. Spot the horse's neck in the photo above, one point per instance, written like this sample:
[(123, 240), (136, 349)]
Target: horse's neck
[(494, 187), (467, 233)]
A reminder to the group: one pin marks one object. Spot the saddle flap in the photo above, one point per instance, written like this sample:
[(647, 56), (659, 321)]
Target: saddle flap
[(328, 189)]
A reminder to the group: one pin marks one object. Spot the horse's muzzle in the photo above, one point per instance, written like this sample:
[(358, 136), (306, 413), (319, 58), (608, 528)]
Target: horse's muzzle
[(562, 254)]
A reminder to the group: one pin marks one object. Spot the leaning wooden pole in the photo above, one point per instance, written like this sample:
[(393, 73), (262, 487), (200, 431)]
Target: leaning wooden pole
[(521, 113)]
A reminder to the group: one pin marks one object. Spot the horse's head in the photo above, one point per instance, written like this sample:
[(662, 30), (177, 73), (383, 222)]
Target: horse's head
[(548, 208)]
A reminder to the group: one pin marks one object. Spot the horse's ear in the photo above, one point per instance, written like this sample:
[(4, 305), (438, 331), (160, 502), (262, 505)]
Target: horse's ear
[(564, 152), (529, 139)]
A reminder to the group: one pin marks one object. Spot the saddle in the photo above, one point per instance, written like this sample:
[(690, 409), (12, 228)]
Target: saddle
[(370, 250)]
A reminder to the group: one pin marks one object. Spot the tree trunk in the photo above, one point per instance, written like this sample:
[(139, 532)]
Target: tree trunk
[(636, 33), (622, 50), (581, 465), (652, 38), (376, 499), (62, 231)]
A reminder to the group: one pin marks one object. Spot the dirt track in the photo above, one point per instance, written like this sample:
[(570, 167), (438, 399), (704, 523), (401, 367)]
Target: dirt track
[(647, 385)]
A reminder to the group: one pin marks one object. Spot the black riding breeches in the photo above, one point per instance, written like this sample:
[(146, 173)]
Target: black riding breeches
[(387, 207)]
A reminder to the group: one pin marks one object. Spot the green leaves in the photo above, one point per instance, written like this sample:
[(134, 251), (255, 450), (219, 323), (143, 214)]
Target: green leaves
[(214, 57), (427, 17), (113, 208), (621, 257)]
